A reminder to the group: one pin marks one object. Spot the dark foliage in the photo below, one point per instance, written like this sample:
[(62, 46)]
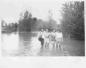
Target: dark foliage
[(73, 19)]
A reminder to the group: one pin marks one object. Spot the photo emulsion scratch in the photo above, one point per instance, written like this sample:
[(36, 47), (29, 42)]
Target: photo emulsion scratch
[(42, 28)]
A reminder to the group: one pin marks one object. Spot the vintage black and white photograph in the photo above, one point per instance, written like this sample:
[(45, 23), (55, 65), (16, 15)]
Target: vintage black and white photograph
[(42, 28)]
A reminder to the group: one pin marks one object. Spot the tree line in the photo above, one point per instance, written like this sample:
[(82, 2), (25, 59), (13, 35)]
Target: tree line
[(73, 20), (28, 23)]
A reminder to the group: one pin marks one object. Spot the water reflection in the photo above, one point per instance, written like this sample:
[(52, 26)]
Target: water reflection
[(20, 44), (27, 44)]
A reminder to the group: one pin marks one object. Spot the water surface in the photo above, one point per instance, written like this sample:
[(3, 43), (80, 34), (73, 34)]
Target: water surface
[(27, 44)]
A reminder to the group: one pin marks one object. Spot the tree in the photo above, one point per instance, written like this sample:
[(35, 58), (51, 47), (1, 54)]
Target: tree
[(27, 23), (27, 14), (73, 19)]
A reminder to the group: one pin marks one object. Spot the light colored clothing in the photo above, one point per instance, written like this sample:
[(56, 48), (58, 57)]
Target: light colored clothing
[(59, 36), (52, 36)]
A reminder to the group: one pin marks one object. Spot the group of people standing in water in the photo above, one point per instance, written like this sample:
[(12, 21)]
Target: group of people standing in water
[(51, 39)]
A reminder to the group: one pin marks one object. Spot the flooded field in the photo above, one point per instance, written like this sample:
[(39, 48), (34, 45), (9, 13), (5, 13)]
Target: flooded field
[(27, 44)]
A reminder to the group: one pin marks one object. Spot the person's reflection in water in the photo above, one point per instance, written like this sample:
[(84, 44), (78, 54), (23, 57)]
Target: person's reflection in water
[(24, 43), (29, 44)]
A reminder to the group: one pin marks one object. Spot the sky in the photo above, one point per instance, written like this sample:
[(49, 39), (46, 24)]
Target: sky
[(10, 9)]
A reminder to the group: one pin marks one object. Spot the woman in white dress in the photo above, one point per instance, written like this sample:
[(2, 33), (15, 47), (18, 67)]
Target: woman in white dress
[(59, 38), (46, 39), (52, 39)]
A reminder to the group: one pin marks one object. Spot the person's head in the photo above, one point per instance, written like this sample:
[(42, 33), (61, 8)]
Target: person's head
[(53, 30), (46, 30), (42, 30)]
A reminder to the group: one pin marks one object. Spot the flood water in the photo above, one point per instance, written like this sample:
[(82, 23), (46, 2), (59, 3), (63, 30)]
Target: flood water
[(27, 44)]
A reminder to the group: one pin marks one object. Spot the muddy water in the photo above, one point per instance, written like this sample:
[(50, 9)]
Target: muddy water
[(27, 44)]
